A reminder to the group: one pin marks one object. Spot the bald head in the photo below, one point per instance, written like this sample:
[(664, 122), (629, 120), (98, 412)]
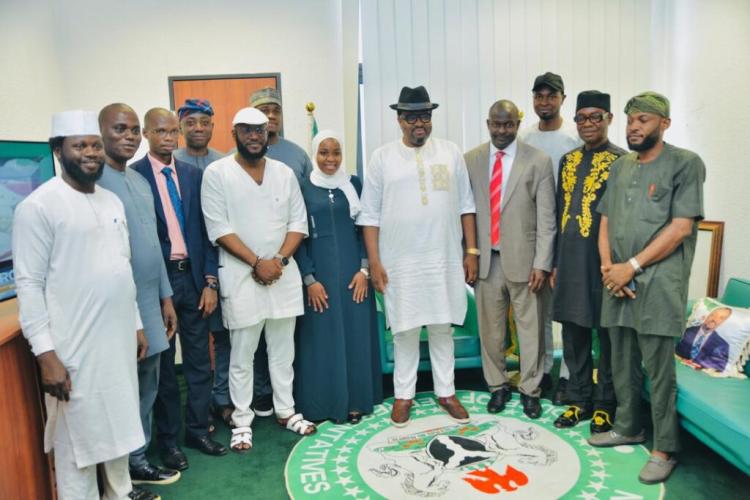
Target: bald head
[(161, 129), (121, 133), (503, 123)]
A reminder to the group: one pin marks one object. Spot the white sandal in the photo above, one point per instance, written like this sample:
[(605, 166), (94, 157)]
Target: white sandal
[(241, 436), (297, 424)]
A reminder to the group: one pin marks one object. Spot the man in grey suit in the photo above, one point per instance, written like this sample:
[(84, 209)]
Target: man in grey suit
[(514, 191)]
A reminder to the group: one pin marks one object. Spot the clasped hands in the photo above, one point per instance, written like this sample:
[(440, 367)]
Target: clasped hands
[(267, 271), (615, 278)]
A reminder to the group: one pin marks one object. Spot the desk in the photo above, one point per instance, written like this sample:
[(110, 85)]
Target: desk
[(25, 470)]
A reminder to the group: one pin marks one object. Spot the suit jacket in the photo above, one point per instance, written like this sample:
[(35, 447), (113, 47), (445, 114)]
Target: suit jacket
[(203, 255), (714, 352), (527, 223)]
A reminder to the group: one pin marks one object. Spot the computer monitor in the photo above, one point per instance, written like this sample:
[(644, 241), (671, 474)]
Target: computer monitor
[(24, 166)]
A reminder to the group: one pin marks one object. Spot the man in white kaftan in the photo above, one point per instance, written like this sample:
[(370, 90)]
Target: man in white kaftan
[(78, 310), (255, 212), (417, 206)]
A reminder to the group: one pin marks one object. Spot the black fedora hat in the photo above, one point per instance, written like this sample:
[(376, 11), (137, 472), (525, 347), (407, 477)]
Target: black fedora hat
[(416, 99)]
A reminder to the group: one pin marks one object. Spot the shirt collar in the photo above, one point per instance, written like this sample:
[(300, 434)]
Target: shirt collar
[(510, 149), (158, 165)]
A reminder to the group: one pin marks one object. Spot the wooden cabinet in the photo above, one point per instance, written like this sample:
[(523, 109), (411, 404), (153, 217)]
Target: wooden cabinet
[(25, 470)]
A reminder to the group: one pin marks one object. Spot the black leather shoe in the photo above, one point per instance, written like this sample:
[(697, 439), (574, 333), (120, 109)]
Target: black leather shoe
[(498, 400), (205, 445), (573, 415), (562, 387), (151, 474), (141, 494), (602, 421), (531, 406), (174, 458)]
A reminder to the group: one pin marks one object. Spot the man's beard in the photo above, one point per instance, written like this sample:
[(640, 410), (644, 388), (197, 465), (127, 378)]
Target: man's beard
[(74, 170), (648, 142), (247, 155)]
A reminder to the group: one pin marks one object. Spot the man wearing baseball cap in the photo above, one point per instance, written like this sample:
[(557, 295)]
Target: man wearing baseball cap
[(647, 238), (554, 136), (77, 305), (255, 213)]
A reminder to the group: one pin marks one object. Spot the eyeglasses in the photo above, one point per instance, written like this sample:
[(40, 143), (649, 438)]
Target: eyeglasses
[(246, 129), (594, 118), (162, 132), (411, 118)]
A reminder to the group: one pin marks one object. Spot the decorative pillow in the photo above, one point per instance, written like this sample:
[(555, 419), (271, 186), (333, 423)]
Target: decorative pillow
[(716, 339)]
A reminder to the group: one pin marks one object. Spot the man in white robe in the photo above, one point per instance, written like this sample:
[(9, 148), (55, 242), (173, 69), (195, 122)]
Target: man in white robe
[(417, 206), (255, 213), (77, 303)]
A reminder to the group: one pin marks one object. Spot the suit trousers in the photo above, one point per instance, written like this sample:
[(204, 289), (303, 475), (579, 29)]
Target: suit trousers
[(196, 367), (280, 341), (148, 387), (577, 352), (631, 352), (494, 295), (222, 347), (81, 484)]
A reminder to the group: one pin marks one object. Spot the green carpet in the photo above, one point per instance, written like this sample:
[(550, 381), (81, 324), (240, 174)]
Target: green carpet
[(260, 474)]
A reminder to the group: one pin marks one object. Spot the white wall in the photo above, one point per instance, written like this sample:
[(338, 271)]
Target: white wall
[(470, 53), (705, 67), (57, 55)]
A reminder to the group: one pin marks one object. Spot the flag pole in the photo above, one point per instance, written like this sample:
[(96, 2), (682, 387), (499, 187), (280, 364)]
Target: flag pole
[(312, 126)]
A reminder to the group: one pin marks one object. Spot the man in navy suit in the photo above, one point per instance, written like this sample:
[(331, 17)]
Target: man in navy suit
[(703, 344), (192, 268)]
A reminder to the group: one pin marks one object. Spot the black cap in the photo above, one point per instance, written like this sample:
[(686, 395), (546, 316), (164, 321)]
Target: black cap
[(550, 80), (416, 99), (593, 99)]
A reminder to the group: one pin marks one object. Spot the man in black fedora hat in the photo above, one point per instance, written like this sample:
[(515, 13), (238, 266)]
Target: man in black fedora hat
[(417, 206)]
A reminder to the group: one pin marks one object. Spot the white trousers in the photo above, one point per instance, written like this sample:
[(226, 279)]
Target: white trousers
[(280, 348), (406, 361), (549, 345), (80, 484)]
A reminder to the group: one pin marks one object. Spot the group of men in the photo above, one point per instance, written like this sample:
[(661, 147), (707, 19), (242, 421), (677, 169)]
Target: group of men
[(553, 225), (108, 276)]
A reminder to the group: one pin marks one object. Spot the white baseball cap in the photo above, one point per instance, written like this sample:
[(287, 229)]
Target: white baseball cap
[(250, 116)]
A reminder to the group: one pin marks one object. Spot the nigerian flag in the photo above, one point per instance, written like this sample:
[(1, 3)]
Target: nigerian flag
[(312, 125)]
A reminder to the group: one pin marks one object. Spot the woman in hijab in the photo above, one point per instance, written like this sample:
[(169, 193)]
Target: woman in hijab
[(338, 374)]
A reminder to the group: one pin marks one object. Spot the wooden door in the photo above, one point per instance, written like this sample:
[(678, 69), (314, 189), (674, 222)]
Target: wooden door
[(227, 93)]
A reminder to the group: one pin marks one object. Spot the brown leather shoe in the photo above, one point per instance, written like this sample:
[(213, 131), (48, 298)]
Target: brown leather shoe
[(400, 412), (455, 409)]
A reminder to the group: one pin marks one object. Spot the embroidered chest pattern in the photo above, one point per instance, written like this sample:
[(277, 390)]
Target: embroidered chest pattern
[(599, 173)]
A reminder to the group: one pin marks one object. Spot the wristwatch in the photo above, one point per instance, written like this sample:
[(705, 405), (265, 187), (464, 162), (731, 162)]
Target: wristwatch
[(213, 285), (365, 271), (284, 260)]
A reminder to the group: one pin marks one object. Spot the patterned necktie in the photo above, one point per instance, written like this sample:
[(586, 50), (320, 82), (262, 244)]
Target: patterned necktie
[(496, 190), (174, 197)]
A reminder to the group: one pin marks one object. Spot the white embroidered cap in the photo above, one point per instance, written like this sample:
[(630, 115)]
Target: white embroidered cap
[(67, 123)]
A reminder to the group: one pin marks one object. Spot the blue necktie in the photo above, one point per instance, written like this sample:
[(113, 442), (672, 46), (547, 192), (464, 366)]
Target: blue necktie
[(174, 197), (697, 344)]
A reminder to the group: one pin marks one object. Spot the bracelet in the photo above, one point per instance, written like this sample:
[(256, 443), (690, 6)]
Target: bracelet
[(636, 266), (257, 259), (473, 251)]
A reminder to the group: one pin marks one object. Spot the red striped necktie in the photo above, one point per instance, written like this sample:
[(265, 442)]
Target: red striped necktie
[(496, 190)]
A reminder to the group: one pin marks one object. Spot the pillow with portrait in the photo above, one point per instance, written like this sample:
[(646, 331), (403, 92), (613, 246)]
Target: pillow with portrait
[(716, 339)]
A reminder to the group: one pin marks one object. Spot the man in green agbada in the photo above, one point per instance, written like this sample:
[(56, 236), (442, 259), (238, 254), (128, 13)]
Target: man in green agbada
[(647, 238)]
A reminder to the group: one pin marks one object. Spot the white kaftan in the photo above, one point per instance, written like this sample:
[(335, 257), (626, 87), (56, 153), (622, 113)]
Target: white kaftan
[(416, 196), (261, 216), (76, 296)]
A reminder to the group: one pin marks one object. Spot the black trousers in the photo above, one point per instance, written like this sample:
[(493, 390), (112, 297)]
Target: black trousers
[(577, 352), (196, 367)]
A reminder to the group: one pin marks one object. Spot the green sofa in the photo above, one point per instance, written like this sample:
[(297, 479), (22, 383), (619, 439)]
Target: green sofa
[(466, 339), (717, 410)]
